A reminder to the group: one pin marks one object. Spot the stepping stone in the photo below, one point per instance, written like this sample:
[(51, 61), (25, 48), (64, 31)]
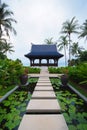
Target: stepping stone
[(43, 106), (43, 79), (43, 88), (43, 83), (43, 94), (43, 122), (46, 81)]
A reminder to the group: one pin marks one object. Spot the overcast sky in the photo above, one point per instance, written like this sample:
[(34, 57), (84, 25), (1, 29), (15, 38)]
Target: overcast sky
[(42, 19)]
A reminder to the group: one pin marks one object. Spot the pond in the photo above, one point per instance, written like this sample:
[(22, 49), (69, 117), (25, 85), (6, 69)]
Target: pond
[(73, 107), (14, 107)]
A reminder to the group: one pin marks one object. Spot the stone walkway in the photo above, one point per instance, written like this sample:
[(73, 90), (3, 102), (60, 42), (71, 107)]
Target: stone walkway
[(43, 111)]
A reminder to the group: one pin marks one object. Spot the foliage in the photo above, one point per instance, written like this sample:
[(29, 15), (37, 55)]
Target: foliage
[(58, 70), (78, 73), (33, 70), (83, 56), (6, 20), (12, 109), (63, 45), (73, 108), (10, 72), (84, 30), (69, 27)]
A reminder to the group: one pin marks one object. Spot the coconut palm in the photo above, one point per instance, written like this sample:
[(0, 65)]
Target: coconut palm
[(84, 30), (75, 49), (68, 28), (49, 41), (6, 20), (62, 45), (8, 48)]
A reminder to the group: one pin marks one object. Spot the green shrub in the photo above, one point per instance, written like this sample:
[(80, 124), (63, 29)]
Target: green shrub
[(78, 73), (10, 72), (33, 70), (54, 70)]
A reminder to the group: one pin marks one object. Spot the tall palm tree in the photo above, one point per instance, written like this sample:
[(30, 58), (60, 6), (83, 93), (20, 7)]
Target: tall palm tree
[(62, 45), (8, 48), (49, 41), (68, 28), (84, 30), (75, 49), (6, 20)]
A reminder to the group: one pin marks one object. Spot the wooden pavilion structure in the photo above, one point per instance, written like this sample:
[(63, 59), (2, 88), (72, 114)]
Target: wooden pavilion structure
[(44, 51)]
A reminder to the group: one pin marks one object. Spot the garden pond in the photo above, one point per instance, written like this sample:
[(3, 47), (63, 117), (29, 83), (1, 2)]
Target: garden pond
[(13, 108), (73, 107)]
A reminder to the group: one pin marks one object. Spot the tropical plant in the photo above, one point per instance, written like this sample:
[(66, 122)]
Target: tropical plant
[(6, 20), (83, 56), (49, 41), (68, 28), (5, 28), (63, 43), (7, 48), (84, 30), (75, 49)]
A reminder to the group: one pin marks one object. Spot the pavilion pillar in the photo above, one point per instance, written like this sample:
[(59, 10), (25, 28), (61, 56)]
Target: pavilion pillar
[(47, 61), (56, 62), (40, 62)]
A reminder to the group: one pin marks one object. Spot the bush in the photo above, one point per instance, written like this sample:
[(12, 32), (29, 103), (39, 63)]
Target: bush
[(78, 73), (54, 70), (10, 71), (33, 70)]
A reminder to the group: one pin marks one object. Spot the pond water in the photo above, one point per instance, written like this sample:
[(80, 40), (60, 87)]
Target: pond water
[(73, 107), (14, 107)]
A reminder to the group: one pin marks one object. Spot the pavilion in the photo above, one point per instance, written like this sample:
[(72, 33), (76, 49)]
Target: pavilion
[(44, 52)]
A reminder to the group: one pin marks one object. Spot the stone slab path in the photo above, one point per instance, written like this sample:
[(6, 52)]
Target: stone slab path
[(43, 111)]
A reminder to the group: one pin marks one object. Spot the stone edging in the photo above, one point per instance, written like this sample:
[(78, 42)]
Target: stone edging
[(77, 92), (8, 93)]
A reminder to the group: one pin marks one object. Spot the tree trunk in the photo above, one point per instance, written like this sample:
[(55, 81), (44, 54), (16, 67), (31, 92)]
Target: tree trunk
[(69, 49), (65, 56)]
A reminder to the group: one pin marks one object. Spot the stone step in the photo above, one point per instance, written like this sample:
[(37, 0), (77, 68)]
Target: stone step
[(43, 95), (43, 83), (43, 122), (37, 88), (44, 86), (43, 106)]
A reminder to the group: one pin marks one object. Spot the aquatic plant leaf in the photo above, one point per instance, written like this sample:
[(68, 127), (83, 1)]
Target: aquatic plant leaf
[(82, 126), (72, 127), (81, 118), (6, 103), (67, 118)]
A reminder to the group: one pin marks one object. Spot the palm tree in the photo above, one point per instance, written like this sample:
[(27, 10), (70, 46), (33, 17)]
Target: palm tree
[(84, 30), (75, 49), (8, 48), (62, 45), (6, 20), (68, 28), (49, 41)]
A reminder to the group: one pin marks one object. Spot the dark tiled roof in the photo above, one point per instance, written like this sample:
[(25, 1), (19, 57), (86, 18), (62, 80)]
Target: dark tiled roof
[(43, 51)]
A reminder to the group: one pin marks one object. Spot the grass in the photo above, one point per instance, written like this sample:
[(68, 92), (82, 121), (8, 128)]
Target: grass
[(78, 88)]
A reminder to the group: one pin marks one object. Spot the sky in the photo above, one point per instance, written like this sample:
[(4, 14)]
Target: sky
[(38, 20)]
